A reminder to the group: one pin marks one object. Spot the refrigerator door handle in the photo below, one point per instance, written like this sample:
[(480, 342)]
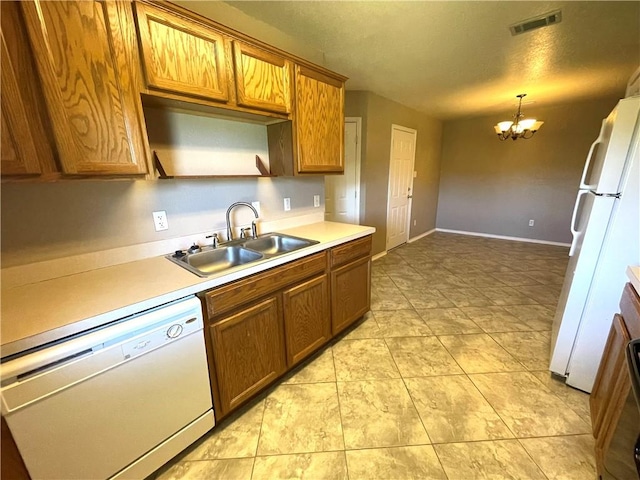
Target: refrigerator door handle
[(587, 164), (574, 231)]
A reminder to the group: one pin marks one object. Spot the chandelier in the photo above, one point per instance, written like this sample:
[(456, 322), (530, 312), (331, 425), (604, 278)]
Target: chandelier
[(520, 127)]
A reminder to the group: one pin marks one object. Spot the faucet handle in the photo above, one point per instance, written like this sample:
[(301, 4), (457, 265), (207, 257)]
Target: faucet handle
[(215, 241), (243, 232)]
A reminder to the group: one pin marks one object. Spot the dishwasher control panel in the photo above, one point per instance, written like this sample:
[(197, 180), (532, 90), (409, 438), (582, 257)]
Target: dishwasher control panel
[(157, 338)]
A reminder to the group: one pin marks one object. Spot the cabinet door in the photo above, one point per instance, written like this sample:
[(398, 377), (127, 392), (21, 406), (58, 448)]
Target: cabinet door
[(350, 293), (18, 145), (248, 350), (319, 122), (81, 54), (182, 56), (25, 145), (307, 318), (610, 389), (263, 79)]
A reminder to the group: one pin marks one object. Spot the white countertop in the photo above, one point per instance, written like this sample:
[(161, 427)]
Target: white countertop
[(633, 272), (42, 312)]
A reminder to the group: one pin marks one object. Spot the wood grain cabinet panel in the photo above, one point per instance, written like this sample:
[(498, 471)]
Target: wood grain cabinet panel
[(248, 349), (612, 386), (182, 56), (19, 156), (319, 122), (350, 293), (81, 51), (307, 318), (612, 376), (263, 79), (25, 146)]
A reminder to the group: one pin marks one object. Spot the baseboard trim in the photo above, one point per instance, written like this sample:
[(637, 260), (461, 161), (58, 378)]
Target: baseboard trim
[(422, 235), (379, 255), (503, 237)]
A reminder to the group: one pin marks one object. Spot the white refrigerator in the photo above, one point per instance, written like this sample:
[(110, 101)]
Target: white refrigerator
[(606, 237)]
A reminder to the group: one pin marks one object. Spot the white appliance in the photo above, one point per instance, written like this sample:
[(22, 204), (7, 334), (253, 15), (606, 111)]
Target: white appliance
[(117, 402), (605, 228)]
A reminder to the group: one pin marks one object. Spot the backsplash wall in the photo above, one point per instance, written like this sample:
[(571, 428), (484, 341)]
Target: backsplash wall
[(47, 221)]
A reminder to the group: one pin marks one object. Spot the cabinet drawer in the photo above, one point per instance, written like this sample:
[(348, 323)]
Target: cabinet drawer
[(235, 294), (350, 251)]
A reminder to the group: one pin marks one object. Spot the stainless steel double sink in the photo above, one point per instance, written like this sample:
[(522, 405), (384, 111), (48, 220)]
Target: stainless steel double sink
[(239, 252)]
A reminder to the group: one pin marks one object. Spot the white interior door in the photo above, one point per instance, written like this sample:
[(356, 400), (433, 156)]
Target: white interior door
[(403, 152), (342, 191)]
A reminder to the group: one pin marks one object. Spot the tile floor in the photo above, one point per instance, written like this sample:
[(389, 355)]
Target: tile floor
[(444, 379)]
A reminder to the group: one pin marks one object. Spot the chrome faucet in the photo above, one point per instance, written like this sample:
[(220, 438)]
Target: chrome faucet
[(254, 230)]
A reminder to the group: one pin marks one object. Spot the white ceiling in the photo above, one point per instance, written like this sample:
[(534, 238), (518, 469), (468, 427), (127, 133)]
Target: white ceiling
[(452, 59)]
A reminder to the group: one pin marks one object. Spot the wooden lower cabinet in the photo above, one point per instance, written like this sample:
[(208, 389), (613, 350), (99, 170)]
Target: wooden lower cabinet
[(263, 325), (248, 349), (307, 320), (612, 386), (351, 291), (350, 282), (610, 389)]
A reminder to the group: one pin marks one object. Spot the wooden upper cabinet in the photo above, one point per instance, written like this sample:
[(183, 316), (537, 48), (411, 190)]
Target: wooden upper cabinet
[(81, 51), (26, 149), (263, 79), (19, 156), (182, 56), (319, 122)]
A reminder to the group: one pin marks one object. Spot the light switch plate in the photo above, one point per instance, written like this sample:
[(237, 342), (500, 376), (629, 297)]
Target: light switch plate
[(316, 200), (160, 220), (256, 205), (287, 204)]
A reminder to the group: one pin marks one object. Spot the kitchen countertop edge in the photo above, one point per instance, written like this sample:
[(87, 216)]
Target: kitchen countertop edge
[(329, 234)]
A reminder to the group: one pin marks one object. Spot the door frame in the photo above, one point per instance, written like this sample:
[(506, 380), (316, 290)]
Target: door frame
[(358, 122), (413, 165)]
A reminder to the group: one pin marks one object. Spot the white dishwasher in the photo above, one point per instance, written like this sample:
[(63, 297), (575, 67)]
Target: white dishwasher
[(116, 402)]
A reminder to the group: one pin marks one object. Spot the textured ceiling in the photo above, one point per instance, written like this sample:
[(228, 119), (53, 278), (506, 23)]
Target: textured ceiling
[(453, 59)]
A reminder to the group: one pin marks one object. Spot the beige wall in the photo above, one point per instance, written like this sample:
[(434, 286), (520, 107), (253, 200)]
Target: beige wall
[(494, 187), (378, 114), (47, 221)]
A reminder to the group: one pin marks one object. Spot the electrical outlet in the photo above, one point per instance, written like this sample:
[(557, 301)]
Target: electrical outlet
[(316, 200), (531, 222), (256, 205), (415, 222), (287, 204), (160, 220)]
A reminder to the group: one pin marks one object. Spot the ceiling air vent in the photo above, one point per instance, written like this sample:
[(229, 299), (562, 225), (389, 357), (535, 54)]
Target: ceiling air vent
[(537, 22)]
